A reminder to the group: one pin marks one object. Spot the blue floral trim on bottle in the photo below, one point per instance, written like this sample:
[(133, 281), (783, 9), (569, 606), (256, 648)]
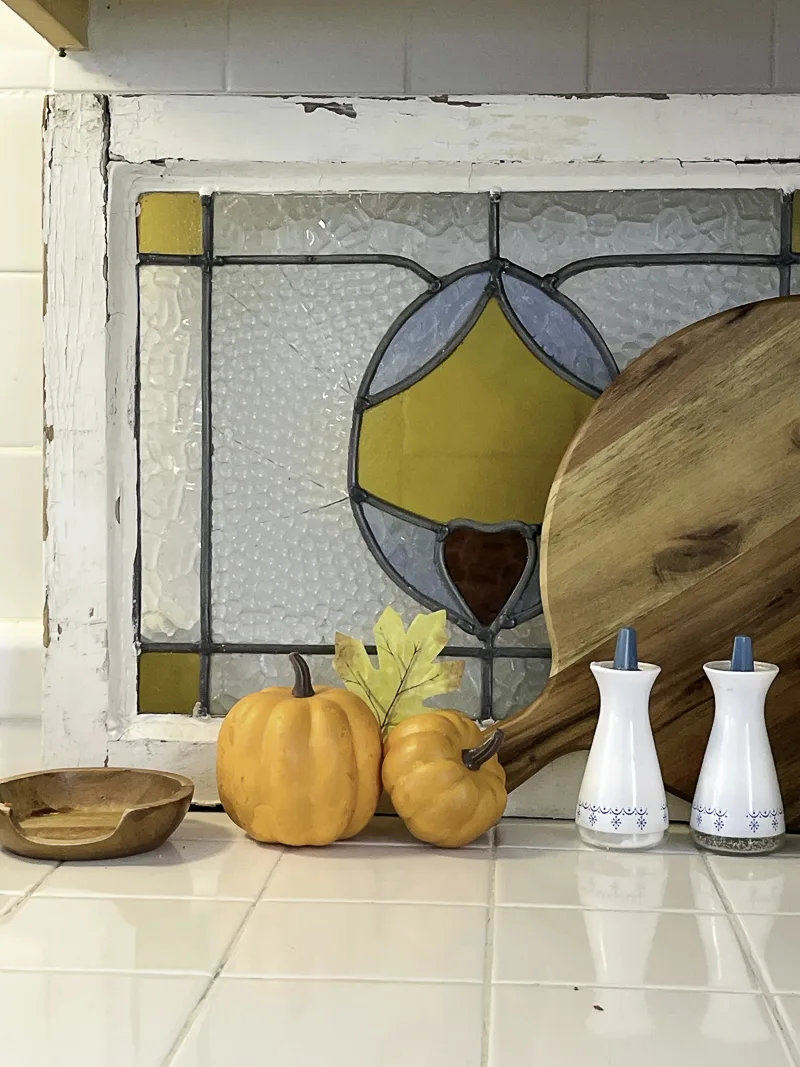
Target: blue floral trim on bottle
[(774, 815), (719, 816), (616, 813), (665, 814)]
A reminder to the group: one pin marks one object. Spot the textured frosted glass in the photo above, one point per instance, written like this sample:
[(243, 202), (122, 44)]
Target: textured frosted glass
[(290, 345), (544, 231), (557, 332), (441, 231), (410, 550), (234, 677), (633, 307), (467, 697), (530, 634), (428, 330), (170, 450), (516, 682)]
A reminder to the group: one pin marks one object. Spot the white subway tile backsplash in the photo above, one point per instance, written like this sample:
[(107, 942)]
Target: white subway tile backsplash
[(21, 181), (159, 47), (515, 47), (320, 46), (21, 360), (25, 57), (20, 533), (787, 46), (21, 652), (680, 46)]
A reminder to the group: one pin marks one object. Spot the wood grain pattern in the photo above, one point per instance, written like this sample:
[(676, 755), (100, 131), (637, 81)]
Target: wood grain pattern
[(677, 510), (91, 813)]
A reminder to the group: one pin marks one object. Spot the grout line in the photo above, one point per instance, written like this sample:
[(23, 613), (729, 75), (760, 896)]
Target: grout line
[(488, 956), (19, 901), (752, 962), (194, 1013)]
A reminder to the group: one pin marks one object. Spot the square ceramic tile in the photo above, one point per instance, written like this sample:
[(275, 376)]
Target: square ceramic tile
[(208, 826), (25, 56), (787, 54), (560, 833), (21, 567), (371, 941), (199, 869), (383, 874), (618, 948), (609, 880), (680, 46), (93, 1020), (21, 247), (19, 875), (138, 44), (20, 746), (390, 830), (321, 46), (775, 944), (565, 1027), (516, 47), (336, 1024), (21, 358), (119, 934), (766, 886)]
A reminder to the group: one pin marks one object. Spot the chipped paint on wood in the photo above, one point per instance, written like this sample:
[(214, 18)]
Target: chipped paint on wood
[(523, 132), (75, 695)]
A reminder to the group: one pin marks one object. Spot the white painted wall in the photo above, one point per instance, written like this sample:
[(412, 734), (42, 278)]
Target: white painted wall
[(311, 46)]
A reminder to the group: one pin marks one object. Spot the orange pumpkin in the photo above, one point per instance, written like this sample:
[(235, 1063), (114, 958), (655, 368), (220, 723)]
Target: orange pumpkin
[(443, 776), (299, 766)]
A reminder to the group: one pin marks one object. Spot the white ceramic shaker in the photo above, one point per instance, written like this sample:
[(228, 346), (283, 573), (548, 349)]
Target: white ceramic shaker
[(737, 805), (622, 803)]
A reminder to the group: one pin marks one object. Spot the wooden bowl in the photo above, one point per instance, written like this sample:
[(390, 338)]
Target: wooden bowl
[(91, 813)]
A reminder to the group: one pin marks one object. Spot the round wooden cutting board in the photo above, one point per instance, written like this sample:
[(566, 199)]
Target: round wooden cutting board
[(676, 510)]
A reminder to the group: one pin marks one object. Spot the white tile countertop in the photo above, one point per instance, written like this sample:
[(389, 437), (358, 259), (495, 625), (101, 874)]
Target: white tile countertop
[(523, 950)]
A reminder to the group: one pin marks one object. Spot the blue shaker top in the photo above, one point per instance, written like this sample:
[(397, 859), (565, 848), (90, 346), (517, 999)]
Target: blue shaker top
[(742, 656), (626, 657)]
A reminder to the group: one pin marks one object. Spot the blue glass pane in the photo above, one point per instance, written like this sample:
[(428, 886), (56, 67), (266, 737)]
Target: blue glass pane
[(428, 331), (557, 332), (410, 550)]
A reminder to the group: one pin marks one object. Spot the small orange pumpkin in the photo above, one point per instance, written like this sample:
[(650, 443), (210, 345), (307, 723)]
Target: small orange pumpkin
[(443, 776), (297, 766)]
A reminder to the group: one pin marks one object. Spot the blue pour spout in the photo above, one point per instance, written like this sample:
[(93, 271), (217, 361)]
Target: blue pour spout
[(625, 656), (742, 657)]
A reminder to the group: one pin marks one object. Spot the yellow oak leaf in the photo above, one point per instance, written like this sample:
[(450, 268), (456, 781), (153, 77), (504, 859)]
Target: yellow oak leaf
[(408, 671)]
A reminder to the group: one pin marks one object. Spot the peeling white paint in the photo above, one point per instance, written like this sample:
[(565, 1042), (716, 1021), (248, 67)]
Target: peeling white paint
[(522, 133), (75, 691)]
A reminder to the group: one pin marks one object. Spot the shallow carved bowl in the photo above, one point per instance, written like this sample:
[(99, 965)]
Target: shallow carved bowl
[(91, 813)]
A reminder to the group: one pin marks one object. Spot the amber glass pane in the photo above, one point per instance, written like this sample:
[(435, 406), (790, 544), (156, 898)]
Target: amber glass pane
[(480, 437), (486, 567), (169, 682), (171, 223)]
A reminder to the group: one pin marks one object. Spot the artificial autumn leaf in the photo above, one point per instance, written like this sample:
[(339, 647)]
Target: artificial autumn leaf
[(408, 671)]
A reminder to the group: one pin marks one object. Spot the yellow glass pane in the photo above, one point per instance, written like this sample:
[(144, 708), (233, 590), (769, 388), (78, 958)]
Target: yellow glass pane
[(795, 223), (479, 438), (169, 682), (171, 223)]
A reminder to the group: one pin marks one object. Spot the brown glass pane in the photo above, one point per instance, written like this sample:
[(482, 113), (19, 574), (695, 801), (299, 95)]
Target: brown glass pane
[(169, 682), (485, 567)]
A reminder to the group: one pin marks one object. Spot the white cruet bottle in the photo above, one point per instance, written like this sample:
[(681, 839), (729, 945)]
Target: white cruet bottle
[(737, 805), (622, 803)]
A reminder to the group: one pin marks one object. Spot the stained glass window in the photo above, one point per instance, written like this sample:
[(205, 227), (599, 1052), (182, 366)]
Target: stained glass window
[(349, 401)]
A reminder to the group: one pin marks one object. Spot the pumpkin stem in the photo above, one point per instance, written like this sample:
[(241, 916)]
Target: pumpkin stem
[(302, 676), (474, 758)]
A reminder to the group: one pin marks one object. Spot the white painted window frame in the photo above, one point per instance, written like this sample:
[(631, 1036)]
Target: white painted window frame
[(103, 152)]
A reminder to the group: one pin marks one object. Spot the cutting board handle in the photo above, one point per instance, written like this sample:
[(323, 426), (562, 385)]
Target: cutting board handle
[(561, 720)]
